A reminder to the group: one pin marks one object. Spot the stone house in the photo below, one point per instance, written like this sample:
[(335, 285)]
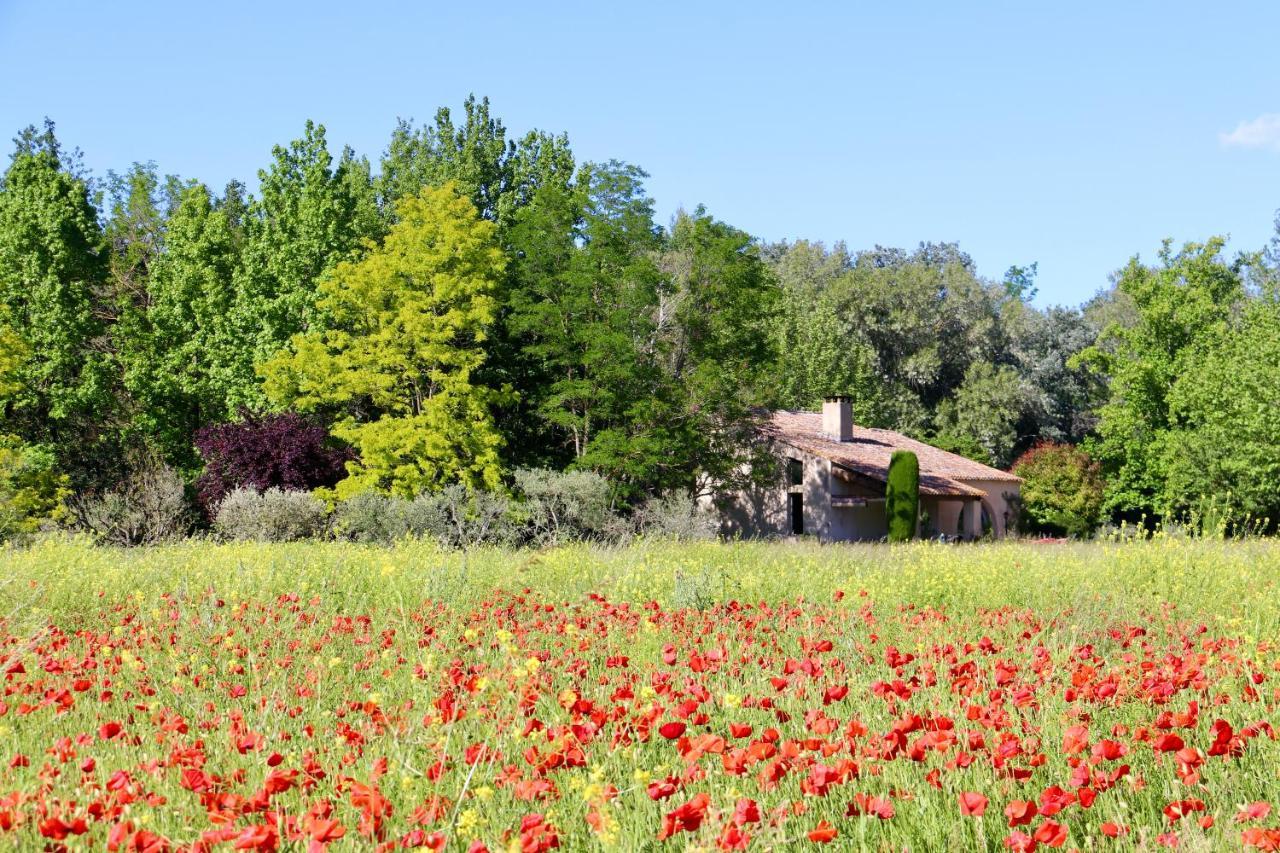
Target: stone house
[(832, 476)]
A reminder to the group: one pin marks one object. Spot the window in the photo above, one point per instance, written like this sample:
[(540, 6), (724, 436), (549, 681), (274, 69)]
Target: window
[(795, 472), (797, 514)]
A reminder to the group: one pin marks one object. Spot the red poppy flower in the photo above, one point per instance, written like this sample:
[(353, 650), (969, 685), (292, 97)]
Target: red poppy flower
[(1020, 842), (1051, 834), (972, 804), (1253, 811), (823, 833), (1020, 812), (671, 730)]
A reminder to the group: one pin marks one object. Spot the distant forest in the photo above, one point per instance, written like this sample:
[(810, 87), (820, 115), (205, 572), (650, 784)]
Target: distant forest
[(474, 301)]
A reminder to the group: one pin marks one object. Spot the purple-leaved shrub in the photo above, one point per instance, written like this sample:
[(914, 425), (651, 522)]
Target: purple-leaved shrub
[(284, 451)]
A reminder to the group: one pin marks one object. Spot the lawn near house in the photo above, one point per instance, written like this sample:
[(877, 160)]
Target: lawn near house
[(659, 696)]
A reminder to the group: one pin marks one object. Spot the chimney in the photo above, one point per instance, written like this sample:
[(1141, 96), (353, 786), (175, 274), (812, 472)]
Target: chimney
[(837, 418)]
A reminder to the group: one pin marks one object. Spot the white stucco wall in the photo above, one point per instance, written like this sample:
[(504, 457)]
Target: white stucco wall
[(765, 511), (999, 503)]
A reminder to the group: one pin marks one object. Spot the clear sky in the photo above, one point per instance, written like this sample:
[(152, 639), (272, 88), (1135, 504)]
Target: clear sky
[(1072, 134)]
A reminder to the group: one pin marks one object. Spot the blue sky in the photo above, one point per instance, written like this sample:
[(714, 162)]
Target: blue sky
[(1071, 134)]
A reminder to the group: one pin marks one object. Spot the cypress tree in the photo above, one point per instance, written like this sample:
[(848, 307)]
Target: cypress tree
[(902, 495)]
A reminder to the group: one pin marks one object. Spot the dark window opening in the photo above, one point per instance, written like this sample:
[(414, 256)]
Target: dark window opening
[(795, 471), (797, 514)]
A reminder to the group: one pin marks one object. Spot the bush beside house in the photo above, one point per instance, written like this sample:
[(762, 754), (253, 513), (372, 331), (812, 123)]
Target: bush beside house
[(1062, 490), (902, 496)]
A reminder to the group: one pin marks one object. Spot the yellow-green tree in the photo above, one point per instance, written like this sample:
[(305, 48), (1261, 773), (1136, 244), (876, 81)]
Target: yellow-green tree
[(404, 335), (13, 352), (31, 489)]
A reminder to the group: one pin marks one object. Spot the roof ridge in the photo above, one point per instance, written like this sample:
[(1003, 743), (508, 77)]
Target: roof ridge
[(805, 427)]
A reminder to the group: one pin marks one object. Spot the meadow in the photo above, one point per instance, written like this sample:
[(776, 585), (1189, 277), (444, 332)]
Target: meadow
[(1107, 696)]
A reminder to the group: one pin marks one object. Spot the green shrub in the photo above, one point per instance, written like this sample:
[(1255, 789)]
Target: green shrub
[(674, 516), (370, 517), (148, 508), (454, 517), (902, 496), (31, 490), (1062, 490), (274, 515), (471, 518), (563, 506)]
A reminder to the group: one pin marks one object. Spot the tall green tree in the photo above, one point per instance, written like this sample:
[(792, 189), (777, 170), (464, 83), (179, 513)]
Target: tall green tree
[(134, 232), (498, 174), (1181, 304), (180, 364), (310, 216), (820, 353), (404, 337), (53, 272), (895, 330), (1062, 393), (1222, 453), (717, 348), (981, 419), (503, 177), (581, 307), (650, 344)]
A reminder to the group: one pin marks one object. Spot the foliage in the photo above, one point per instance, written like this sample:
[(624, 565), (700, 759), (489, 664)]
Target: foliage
[(52, 270), (983, 414), (148, 508), (571, 331), (283, 451), (650, 344), (558, 507), (405, 333), (902, 496), (272, 515), (1062, 490), (1059, 394), (716, 349), (178, 350), (471, 518), (674, 516), (13, 353), (31, 490), (551, 508), (498, 175), (453, 518), (310, 216), (134, 231), (821, 353), (584, 309), (1224, 439), (1181, 304), (371, 517), (896, 331)]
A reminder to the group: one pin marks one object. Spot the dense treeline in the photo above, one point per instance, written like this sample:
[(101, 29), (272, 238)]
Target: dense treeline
[(473, 303)]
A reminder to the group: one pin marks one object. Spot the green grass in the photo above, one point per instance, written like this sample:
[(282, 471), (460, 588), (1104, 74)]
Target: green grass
[(297, 643), (1233, 585)]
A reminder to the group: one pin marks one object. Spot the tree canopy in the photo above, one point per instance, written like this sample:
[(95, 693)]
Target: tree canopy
[(474, 300), (395, 357)]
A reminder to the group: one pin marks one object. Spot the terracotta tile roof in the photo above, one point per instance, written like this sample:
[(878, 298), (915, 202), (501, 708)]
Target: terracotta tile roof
[(942, 474)]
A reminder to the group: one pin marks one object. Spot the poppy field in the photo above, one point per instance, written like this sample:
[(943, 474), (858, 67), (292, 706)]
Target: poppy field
[(327, 696)]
